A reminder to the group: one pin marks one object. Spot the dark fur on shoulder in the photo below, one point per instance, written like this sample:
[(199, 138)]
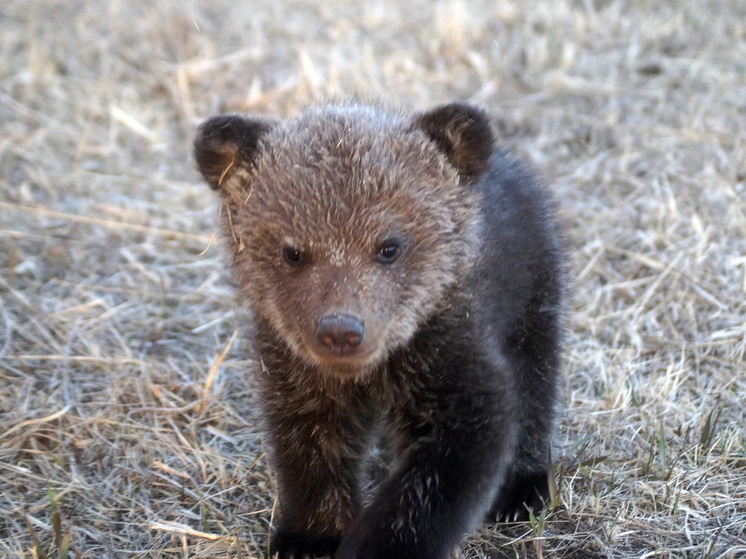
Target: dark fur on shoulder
[(403, 275)]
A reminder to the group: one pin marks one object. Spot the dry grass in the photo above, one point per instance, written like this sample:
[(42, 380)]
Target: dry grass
[(126, 422)]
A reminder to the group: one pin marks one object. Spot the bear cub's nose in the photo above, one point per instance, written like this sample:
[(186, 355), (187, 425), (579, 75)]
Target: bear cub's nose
[(340, 333)]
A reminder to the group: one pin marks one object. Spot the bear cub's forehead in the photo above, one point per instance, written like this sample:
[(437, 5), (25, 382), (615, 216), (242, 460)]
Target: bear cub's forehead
[(351, 149), (336, 176), (336, 132)]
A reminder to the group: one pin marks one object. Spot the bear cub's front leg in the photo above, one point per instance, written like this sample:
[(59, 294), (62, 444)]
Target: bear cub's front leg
[(316, 450)]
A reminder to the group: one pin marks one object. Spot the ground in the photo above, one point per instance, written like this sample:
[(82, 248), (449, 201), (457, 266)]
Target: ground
[(128, 425)]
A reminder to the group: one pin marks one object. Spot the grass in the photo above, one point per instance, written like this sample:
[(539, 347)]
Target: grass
[(127, 424)]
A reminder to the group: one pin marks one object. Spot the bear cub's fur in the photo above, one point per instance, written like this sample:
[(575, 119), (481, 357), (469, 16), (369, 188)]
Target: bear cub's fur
[(405, 278)]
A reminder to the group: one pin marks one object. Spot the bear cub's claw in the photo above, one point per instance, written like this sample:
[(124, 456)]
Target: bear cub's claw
[(521, 492)]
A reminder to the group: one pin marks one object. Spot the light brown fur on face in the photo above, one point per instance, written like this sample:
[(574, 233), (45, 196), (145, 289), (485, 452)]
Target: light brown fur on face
[(336, 194)]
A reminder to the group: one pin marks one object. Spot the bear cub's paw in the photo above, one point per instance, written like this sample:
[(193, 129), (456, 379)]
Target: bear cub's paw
[(290, 545), (520, 493)]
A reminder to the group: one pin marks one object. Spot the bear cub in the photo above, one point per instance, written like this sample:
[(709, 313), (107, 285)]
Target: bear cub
[(405, 279)]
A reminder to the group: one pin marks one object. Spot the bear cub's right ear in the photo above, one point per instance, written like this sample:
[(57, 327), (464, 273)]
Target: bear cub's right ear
[(227, 142)]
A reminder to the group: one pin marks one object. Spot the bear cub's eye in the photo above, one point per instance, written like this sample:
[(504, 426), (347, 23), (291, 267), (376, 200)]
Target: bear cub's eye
[(293, 256), (388, 251)]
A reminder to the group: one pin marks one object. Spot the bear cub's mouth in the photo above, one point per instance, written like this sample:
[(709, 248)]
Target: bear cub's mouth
[(346, 366)]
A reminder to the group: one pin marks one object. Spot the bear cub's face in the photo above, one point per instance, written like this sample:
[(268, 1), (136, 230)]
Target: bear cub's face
[(347, 224)]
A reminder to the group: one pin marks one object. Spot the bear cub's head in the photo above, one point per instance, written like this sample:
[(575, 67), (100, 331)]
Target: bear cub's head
[(349, 226)]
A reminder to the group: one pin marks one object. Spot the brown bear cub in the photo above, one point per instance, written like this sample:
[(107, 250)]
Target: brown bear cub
[(405, 280)]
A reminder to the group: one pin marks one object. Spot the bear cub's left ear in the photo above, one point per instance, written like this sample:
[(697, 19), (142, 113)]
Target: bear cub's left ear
[(227, 142), (463, 133)]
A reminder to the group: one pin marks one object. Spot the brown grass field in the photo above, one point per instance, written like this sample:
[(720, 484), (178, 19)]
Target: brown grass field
[(128, 424)]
